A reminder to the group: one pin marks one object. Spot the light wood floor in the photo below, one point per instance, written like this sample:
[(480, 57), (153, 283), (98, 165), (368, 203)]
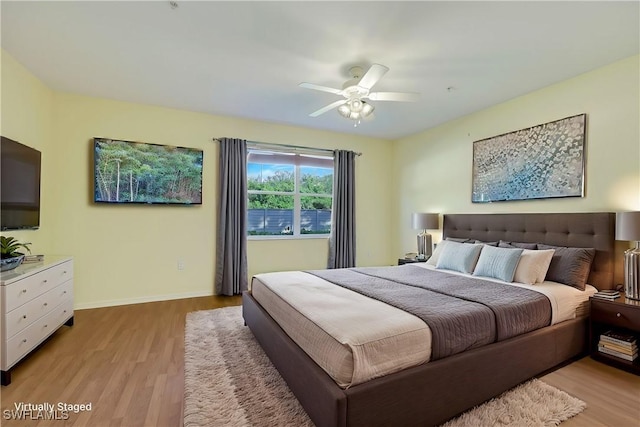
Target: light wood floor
[(612, 395), (127, 362)]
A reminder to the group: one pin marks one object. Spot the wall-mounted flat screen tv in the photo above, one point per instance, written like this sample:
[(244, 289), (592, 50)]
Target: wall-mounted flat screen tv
[(135, 172), (20, 188)]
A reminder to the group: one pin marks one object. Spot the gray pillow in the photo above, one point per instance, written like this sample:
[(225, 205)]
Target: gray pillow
[(570, 266), (460, 240), (530, 246), (480, 242), (465, 240)]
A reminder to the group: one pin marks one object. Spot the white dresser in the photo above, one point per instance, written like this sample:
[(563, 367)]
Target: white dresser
[(37, 298)]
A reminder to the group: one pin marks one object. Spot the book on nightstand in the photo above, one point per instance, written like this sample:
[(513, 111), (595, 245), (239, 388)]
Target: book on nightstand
[(619, 344), (629, 357), (617, 337), (607, 294)]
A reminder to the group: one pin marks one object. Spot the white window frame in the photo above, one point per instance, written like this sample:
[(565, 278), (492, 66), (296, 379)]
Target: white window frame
[(299, 158)]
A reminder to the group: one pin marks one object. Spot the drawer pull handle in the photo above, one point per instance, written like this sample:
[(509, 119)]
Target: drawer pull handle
[(46, 326), (45, 304), (64, 311), (64, 292), (24, 291), (24, 340), (44, 281), (617, 314), (24, 316)]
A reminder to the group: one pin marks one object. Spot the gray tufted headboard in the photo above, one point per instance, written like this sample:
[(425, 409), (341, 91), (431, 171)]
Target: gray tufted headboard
[(581, 230)]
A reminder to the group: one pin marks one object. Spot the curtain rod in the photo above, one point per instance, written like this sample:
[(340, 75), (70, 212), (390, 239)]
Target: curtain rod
[(300, 147)]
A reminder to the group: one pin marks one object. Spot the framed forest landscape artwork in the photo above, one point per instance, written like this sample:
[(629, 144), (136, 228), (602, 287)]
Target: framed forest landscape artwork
[(540, 162)]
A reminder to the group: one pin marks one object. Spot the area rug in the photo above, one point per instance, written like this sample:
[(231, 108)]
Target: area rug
[(229, 381)]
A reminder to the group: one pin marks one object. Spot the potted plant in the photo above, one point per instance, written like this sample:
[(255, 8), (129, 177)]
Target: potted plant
[(10, 258)]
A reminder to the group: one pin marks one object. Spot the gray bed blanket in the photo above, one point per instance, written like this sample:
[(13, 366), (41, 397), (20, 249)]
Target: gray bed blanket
[(462, 312)]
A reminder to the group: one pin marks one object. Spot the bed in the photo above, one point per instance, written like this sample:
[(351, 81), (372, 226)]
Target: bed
[(430, 393)]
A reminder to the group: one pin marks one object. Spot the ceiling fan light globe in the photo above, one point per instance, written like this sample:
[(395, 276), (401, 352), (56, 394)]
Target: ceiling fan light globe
[(344, 110), (366, 109)]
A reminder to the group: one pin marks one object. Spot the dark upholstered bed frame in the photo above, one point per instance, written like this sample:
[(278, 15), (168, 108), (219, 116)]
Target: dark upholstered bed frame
[(431, 393)]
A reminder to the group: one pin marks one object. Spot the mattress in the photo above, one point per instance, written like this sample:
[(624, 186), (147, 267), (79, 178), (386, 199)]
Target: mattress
[(352, 337), (355, 338)]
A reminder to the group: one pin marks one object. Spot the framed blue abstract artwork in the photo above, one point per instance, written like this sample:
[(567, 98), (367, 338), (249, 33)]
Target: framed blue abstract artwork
[(540, 162)]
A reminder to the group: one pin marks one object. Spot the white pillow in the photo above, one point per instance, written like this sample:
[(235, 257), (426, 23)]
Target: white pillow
[(460, 257), (533, 266), (433, 260)]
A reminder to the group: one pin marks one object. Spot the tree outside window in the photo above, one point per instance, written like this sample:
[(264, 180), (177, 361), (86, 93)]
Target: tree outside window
[(289, 194)]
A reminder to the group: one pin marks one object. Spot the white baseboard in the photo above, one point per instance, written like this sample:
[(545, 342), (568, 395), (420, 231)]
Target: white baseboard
[(140, 300)]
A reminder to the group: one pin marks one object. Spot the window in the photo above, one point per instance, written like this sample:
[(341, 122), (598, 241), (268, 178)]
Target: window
[(289, 194)]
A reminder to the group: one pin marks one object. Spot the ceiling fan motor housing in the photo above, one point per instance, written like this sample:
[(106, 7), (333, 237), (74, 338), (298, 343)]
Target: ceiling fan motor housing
[(351, 90)]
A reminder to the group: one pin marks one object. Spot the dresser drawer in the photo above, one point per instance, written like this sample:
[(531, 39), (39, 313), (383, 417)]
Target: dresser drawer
[(615, 315), (23, 316), (20, 292), (34, 334)]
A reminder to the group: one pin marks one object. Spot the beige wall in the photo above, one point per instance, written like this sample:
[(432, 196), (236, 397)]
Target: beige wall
[(127, 254), (130, 253), (432, 169), (26, 116)]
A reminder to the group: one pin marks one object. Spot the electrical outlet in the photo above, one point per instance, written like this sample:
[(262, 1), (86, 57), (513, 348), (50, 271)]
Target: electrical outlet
[(180, 264)]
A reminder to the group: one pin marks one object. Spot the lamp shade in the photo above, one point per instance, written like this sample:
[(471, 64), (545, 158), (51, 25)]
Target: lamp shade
[(628, 226), (425, 221)]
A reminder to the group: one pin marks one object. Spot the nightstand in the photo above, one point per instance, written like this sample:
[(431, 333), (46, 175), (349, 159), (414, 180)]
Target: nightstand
[(402, 261), (620, 315)]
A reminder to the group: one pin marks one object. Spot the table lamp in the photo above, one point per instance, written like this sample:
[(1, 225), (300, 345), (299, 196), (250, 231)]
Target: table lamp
[(424, 222), (628, 228)]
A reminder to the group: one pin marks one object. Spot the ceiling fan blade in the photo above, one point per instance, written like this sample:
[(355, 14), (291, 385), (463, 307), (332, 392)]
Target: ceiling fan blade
[(321, 88), (394, 96), (328, 107), (372, 76)]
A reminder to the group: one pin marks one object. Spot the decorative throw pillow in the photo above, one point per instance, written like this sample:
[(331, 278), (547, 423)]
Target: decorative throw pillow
[(480, 242), (570, 266), (460, 240), (465, 240), (499, 263), (533, 265), (460, 257), (521, 245), (433, 260)]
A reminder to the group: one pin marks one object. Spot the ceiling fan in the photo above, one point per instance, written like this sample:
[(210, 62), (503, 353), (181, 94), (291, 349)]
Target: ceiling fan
[(356, 91)]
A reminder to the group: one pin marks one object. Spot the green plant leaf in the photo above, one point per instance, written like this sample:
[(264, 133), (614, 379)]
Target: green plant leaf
[(9, 247)]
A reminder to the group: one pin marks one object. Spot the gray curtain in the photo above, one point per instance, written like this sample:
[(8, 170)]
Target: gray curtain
[(231, 248), (342, 244)]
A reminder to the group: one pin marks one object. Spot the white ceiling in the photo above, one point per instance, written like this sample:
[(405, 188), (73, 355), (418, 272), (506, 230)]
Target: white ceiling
[(246, 59)]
